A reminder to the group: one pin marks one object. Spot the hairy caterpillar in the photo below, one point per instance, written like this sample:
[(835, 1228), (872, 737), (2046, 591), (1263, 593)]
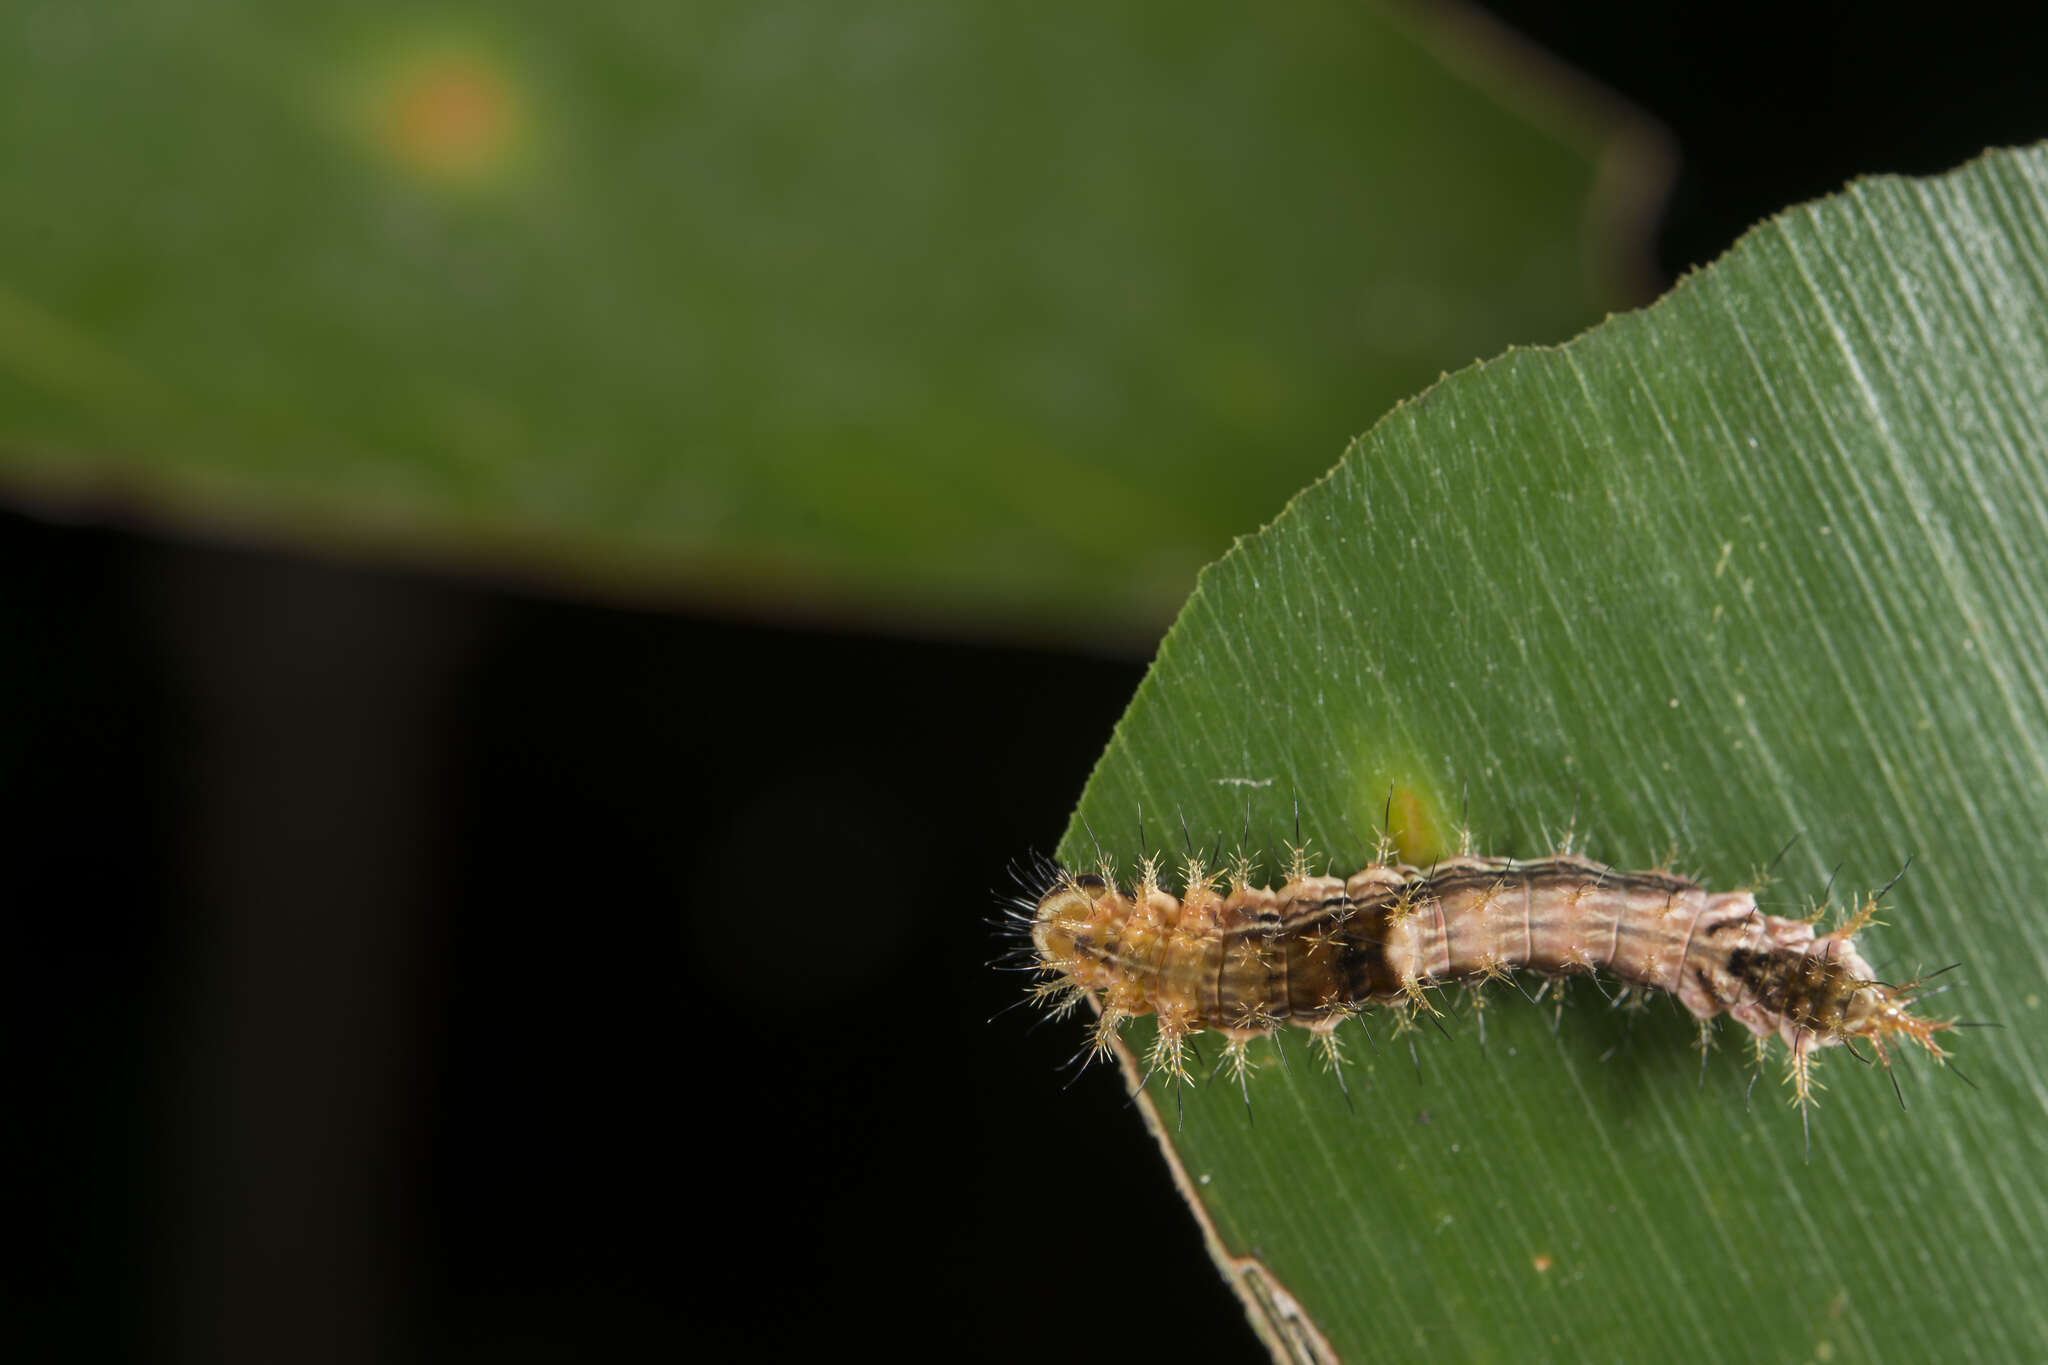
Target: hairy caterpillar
[(1243, 960)]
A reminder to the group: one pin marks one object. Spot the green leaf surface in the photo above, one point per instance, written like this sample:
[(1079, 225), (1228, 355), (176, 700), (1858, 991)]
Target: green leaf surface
[(1767, 558), (1014, 315)]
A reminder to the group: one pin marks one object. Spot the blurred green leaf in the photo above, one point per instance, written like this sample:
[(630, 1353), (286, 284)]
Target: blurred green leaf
[(1766, 558), (974, 310)]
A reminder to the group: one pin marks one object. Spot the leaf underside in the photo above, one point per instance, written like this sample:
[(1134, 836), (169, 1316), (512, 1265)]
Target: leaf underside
[(922, 310)]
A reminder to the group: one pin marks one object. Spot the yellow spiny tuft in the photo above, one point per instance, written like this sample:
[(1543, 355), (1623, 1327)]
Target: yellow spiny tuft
[(1415, 989), (1297, 861), (1489, 900), (1328, 1045), (1403, 907), (1240, 873), (1059, 998), (1859, 918), (1254, 1017), (1237, 1057), (1759, 1050), (1168, 1053), (1106, 1026), (1147, 880), (1799, 1075), (1258, 952), (1105, 871)]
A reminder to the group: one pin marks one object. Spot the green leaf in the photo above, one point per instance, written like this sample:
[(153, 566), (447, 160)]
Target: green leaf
[(928, 308), (1767, 558)]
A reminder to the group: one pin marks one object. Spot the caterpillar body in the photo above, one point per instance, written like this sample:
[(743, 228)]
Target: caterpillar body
[(1242, 961)]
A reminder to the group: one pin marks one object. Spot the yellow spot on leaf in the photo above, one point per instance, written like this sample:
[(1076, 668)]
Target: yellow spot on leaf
[(1413, 828), (449, 112)]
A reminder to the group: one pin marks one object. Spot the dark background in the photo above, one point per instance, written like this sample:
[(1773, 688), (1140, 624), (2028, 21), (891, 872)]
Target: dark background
[(382, 975)]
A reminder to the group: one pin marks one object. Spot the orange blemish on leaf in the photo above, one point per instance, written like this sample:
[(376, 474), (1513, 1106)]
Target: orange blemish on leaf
[(453, 114)]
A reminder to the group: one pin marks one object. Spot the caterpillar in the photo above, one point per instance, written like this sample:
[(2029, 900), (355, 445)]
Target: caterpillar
[(1243, 961)]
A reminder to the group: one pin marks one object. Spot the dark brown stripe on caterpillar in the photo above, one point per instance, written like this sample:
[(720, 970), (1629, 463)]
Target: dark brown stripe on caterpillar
[(1245, 960)]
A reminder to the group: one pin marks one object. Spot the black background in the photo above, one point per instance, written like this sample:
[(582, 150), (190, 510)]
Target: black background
[(374, 981)]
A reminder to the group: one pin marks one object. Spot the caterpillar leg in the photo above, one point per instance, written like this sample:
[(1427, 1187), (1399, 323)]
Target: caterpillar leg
[(1168, 1053)]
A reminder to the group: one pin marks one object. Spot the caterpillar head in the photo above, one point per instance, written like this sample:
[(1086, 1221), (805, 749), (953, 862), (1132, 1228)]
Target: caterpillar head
[(1061, 923)]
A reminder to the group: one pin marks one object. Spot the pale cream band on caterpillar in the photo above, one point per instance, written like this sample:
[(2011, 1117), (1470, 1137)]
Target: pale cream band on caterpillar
[(1244, 960)]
